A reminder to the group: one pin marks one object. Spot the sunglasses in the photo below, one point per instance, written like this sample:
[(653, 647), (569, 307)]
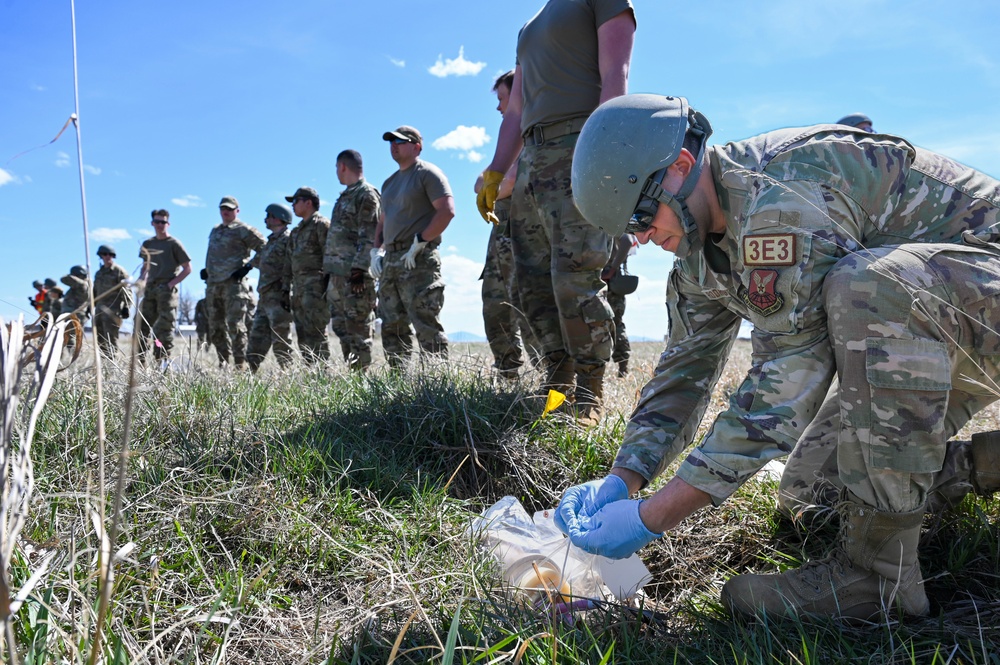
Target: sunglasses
[(400, 141), (160, 221)]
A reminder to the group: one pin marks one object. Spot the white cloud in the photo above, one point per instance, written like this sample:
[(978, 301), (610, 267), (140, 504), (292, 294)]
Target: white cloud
[(188, 201), (457, 67), (6, 178), (398, 63), (37, 88), (145, 233), (104, 234), (472, 156), (463, 299), (462, 138), (62, 160), (92, 170)]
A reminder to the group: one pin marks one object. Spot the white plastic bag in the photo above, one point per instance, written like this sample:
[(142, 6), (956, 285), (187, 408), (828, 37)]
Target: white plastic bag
[(545, 568)]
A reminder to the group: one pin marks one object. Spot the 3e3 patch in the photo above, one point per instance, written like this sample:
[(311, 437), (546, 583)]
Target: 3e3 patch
[(773, 249)]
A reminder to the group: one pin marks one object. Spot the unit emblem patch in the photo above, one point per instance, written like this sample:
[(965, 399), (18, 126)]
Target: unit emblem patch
[(761, 296)]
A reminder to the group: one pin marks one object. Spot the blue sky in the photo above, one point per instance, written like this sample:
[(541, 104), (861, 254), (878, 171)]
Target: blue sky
[(184, 102)]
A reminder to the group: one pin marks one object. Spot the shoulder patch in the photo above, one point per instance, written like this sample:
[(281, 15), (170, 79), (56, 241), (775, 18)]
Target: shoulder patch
[(775, 249), (761, 295)]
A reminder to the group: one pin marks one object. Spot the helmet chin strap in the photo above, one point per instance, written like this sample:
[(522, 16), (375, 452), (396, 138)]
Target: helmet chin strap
[(693, 239)]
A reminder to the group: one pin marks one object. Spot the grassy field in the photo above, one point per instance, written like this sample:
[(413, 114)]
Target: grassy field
[(312, 516)]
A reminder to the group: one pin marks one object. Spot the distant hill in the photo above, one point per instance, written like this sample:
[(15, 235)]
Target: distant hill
[(465, 337)]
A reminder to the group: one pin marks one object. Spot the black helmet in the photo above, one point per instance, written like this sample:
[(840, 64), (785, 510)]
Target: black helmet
[(106, 249), (282, 212), (79, 272)]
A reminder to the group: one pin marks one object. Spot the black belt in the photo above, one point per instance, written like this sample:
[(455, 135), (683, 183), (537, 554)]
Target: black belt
[(539, 134), (400, 245)]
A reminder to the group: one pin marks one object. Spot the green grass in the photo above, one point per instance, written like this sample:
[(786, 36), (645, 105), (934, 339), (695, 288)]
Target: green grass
[(320, 517)]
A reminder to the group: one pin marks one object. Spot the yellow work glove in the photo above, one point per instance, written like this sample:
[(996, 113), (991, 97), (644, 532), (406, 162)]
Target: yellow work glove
[(487, 196)]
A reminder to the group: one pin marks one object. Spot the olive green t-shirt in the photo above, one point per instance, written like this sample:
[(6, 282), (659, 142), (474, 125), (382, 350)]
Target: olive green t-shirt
[(557, 52), (408, 200), (165, 258)]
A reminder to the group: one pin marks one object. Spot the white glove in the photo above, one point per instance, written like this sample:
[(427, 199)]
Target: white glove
[(410, 258), (375, 268)]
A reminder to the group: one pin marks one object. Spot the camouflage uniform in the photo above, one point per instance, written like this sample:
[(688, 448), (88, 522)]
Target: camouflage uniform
[(77, 298), (226, 299), (348, 247), (614, 267), (112, 280), (272, 324), (309, 307), (201, 321), (852, 254), (158, 309), (413, 296), (506, 328)]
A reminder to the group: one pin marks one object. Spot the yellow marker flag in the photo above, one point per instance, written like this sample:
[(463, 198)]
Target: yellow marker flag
[(553, 401)]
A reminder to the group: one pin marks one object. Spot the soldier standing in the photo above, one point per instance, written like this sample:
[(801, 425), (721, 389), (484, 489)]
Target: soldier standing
[(620, 284), (417, 207), (165, 264), (272, 324), (53, 298), (347, 259), (306, 245), (38, 300), (201, 322), (506, 329), (112, 295), (226, 266), (854, 255), (571, 56), (77, 298)]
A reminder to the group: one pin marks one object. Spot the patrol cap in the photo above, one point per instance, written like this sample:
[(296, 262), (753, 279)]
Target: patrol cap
[(406, 133), (303, 193), (854, 119), (279, 211), (78, 271), (50, 283), (229, 202), (106, 249)]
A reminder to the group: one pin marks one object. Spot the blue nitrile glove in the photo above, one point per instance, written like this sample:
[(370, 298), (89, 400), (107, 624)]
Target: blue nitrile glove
[(410, 258), (616, 531), (581, 502)]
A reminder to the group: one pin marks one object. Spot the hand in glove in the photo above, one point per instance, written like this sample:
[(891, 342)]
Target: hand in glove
[(581, 502), (615, 531), (357, 280), (487, 196), (375, 268), (240, 273), (123, 310), (203, 273), (410, 258)]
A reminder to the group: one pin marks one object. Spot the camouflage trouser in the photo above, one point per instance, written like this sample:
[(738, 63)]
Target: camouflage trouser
[(811, 475), (272, 325), (226, 305), (506, 328), (411, 296), (355, 316), (622, 348), (312, 315), (107, 326), (157, 311), (914, 333), (558, 260)]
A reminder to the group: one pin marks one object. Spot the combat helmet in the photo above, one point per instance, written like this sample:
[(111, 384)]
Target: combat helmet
[(106, 249), (50, 283), (282, 212), (79, 272), (856, 119), (38, 284), (621, 158)]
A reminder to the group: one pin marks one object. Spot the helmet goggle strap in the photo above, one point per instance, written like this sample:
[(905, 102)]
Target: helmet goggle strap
[(650, 199)]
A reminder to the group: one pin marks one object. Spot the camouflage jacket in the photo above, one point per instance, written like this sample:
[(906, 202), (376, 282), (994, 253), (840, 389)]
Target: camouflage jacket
[(275, 264), (352, 229), (795, 202), (77, 296), (229, 247), (306, 245), (108, 278)]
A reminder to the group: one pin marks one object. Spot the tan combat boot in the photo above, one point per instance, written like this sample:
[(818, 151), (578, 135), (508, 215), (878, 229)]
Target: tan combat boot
[(560, 375), (590, 397), (873, 569)]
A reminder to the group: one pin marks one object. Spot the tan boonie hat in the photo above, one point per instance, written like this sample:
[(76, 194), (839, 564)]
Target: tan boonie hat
[(406, 133), (304, 193), (229, 202)]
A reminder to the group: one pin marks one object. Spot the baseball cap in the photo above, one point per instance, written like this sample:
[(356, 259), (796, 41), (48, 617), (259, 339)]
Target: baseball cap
[(406, 133), (229, 202), (305, 193)]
